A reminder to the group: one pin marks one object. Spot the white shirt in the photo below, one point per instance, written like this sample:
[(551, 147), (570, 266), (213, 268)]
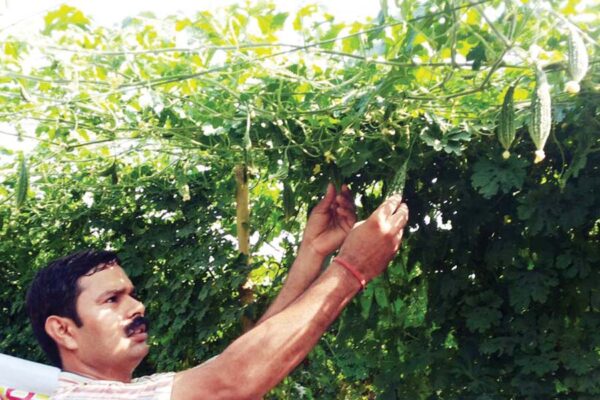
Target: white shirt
[(76, 387)]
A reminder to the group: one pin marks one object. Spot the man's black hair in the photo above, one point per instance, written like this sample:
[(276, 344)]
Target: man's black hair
[(54, 291)]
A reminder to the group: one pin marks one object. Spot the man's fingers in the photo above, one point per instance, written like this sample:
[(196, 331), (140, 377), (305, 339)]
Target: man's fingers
[(346, 193), (324, 205), (388, 207), (344, 212), (345, 204), (392, 215), (400, 234), (400, 217), (344, 198), (346, 218)]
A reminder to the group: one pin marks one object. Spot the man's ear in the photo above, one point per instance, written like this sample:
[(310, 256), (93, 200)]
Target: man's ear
[(61, 329)]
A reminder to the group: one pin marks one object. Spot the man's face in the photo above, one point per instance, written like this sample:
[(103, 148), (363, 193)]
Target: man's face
[(108, 340)]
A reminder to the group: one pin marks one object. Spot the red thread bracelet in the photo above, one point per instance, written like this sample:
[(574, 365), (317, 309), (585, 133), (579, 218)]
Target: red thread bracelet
[(352, 269)]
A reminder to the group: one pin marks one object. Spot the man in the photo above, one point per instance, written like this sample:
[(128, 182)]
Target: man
[(87, 319)]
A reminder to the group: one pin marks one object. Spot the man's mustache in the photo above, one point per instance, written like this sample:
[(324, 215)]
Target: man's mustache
[(137, 323)]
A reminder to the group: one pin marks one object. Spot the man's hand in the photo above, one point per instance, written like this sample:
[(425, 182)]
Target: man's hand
[(372, 243), (327, 227), (330, 222)]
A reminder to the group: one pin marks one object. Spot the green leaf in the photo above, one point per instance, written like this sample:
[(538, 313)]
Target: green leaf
[(181, 24), (481, 319), (63, 18), (538, 364), (530, 286), (366, 301), (499, 345), (491, 177), (12, 49), (482, 311), (477, 55), (304, 12), (333, 33), (381, 297), (279, 20)]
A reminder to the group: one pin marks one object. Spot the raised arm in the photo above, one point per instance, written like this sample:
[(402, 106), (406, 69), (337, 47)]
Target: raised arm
[(327, 227), (261, 358)]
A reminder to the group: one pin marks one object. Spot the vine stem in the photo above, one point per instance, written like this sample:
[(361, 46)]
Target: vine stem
[(562, 154)]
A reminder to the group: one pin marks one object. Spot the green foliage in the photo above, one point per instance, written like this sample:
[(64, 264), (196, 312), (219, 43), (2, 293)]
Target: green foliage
[(495, 293), (498, 176)]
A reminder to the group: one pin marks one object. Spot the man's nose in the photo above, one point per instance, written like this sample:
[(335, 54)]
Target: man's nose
[(136, 307)]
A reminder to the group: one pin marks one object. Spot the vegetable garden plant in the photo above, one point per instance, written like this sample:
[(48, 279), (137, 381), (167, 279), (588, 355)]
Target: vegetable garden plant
[(145, 133)]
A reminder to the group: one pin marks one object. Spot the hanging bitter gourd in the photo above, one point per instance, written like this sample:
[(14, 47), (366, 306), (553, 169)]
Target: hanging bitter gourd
[(578, 60), (541, 115), (23, 182), (399, 181), (289, 208), (506, 123)]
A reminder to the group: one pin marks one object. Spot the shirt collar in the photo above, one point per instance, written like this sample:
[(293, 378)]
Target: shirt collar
[(73, 377)]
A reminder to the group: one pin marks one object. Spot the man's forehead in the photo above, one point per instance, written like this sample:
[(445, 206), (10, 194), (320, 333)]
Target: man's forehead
[(108, 276), (101, 267)]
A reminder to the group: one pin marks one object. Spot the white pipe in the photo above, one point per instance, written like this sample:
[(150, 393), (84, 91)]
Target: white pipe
[(26, 376)]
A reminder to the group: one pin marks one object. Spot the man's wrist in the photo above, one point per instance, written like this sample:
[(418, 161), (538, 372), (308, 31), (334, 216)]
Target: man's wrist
[(358, 275), (310, 253), (349, 278)]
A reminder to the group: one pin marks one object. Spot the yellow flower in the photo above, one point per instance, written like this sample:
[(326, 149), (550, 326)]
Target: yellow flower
[(329, 157)]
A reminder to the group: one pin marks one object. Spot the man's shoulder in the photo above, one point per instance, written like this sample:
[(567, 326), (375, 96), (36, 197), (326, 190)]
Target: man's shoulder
[(152, 387)]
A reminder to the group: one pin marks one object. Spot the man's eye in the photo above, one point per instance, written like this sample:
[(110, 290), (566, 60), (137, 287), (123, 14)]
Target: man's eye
[(112, 299)]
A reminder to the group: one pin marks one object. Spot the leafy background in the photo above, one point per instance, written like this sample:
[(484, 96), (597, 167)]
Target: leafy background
[(138, 131)]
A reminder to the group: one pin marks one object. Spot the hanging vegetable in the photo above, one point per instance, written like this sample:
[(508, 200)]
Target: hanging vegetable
[(578, 60), (289, 208), (541, 115), (399, 181), (23, 182), (506, 124)]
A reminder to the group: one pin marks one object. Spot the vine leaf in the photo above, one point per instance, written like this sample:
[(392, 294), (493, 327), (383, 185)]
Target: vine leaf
[(366, 301), (490, 178), (63, 18), (477, 55), (530, 286)]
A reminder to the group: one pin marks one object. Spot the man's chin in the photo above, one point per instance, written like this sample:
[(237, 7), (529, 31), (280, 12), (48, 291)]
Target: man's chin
[(138, 352), (145, 351)]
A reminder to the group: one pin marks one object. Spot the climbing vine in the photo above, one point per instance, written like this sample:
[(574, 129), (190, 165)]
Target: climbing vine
[(137, 133)]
